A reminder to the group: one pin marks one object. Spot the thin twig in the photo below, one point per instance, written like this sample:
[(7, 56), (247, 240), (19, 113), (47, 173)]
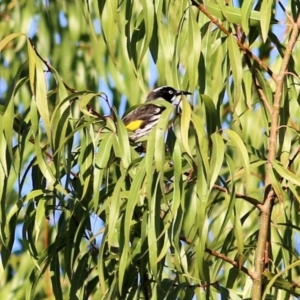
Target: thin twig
[(50, 156), (70, 89), (258, 87), (291, 161), (49, 67), (223, 257), (285, 11), (263, 96), (251, 200), (245, 49), (231, 261)]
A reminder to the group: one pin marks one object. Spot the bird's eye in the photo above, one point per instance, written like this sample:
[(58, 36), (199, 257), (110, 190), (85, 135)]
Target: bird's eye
[(171, 92)]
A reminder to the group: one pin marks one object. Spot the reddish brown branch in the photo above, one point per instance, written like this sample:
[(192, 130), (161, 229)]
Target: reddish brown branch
[(258, 87), (70, 89), (230, 261), (49, 67), (245, 49), (264, 231), (225, 258), (251, 200)]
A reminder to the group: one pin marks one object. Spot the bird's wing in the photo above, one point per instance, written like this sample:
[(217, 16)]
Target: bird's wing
[(139, 117)]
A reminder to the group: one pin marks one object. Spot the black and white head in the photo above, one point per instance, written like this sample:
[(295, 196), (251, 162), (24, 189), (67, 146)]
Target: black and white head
[(165, 92)]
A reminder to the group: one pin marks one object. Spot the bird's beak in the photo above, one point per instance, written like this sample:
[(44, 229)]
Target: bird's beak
[(178, 93)]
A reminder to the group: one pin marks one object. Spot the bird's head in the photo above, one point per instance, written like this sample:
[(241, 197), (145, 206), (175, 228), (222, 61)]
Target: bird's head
[(165, 92)]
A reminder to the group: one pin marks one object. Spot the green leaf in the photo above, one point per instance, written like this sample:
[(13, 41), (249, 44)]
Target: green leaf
[(246, 10), (239, 235), (233, 14), (240, 147), (236, 66), (266, 13), (285, 173), (55, 278), (40, 217), (9, 38), (153, 226), (230, 201), (3, 149), (265, 86), (32, 66), (201, 139), (136, 192), (218, 149), (212, 118), (114, 211), (193, 46), (281, 283), (276, 185), (148, 14), (123, 142), (108, 11), (160, 136), (38, 83), (185, 125)]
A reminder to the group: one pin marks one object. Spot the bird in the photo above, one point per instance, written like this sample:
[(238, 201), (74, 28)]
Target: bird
[(140, 121)]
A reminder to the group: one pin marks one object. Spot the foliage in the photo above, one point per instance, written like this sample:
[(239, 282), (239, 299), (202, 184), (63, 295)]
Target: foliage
[(210, 211)]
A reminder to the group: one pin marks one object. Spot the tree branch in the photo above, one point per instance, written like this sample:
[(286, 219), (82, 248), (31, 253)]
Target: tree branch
[(230, 261), (263, 235), (70, 89), (251, 200), (245, 49), (225, 258)]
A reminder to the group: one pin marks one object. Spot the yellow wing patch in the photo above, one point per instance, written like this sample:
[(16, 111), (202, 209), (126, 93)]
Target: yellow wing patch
[(134, 125)]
